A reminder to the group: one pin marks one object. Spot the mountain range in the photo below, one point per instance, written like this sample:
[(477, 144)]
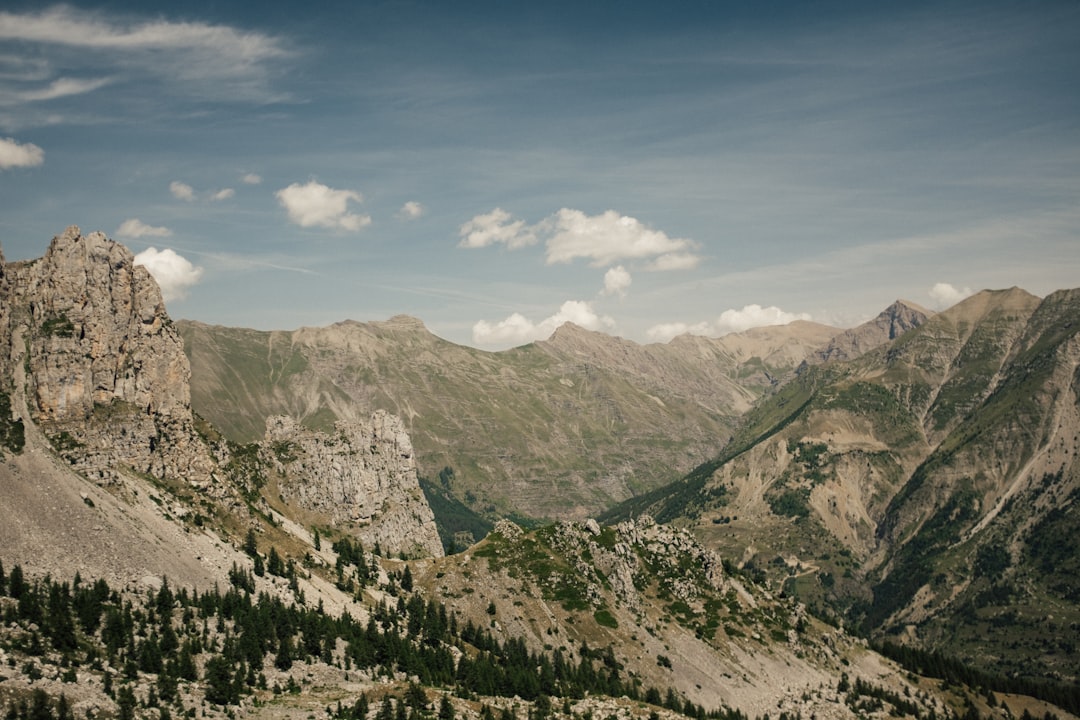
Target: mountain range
[(766, 504)]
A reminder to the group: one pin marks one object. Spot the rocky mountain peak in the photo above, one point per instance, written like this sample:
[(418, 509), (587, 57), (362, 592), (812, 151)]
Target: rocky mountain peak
[(890, 323)]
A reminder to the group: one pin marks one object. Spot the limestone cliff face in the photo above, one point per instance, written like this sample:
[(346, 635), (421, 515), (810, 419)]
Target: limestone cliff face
[(362, 476), (106, 378)]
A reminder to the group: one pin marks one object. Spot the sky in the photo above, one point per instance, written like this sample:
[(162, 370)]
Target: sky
[(499, 168)]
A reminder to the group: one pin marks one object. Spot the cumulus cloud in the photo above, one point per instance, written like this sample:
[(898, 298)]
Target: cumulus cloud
[(616, 281), (14, 154), (666, 331), (316, 205), (411, 210), (497, 226), (945, 295), (570, 234), (518, 330), (607, 238), (750, 316), (136, 228), (182, 191), (252, 179), (173, 272), (223, 194)]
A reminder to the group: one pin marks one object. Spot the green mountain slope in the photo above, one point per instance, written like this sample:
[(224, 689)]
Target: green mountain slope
[(559, 428), (926, 489)]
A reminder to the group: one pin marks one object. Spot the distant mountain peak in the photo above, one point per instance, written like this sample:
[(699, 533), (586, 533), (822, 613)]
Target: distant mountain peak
[(889, 324)]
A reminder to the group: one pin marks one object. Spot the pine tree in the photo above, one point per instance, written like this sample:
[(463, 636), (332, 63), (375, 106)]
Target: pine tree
[(251, 546), (284, 658), (125, 703), (446, 708)]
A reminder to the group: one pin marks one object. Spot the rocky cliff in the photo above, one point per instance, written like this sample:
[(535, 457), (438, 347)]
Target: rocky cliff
[(93, 367), (362, 477), (96, 361)]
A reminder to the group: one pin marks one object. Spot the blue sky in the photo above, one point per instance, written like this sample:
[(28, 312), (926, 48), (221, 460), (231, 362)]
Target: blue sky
[(497, 168)]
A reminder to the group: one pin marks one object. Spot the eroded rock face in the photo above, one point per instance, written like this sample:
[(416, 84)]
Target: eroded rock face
[(363, 475), (106, 378)]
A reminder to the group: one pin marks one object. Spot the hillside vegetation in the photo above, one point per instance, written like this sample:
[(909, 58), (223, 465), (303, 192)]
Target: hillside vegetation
[(925, 490)]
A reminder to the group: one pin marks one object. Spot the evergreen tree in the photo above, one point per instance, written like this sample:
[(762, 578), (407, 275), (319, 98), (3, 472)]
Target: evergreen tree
[(446, 708), (219, 681), (251, 546), (16, 583), (125, 703), (274, 564), (284, 658)]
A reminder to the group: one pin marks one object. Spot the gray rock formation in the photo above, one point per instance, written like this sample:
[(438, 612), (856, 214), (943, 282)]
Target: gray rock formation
[(362, 476), (103, 371)]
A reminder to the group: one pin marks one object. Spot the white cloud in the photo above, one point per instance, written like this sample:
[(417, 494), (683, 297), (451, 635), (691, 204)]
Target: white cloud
[(13, 154), (136, 228), (411, 210), (674, 261), (182, 191), (518, 330), (945, 295), (570, 234), (616, 281), (174, 273), (196, 52), (497, 226), (252, 179), (316, 205), (63, 87), (223, 194), (666, 331), (607, 238), (750, 316)]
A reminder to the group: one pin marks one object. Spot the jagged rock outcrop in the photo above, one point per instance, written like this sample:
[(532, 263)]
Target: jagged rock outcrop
[(103, 373), (363, 475), (628, 554)]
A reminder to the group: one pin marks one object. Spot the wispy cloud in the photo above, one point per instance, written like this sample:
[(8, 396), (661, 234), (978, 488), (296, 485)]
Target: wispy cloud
[(194, 59), (136, 228), (62, 87)]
